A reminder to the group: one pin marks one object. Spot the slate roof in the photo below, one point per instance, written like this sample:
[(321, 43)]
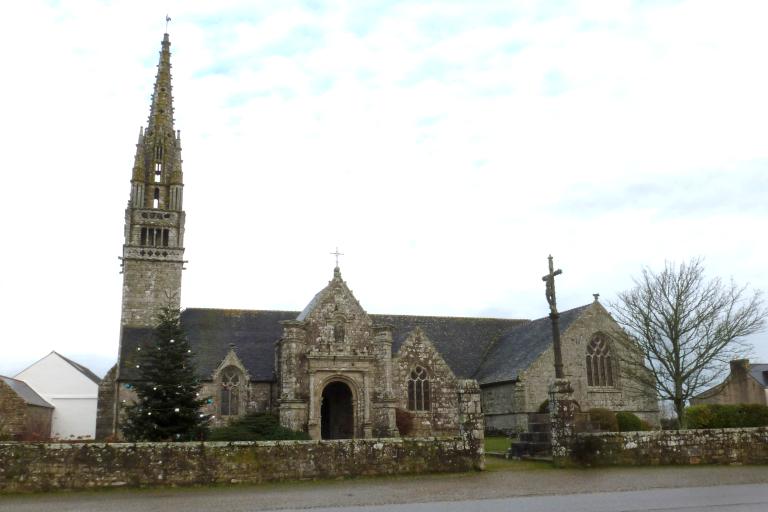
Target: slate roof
[(492, 348), (520, 347), (210, 332), (26, 393), (82, 369), (462, 342), (759, 372)]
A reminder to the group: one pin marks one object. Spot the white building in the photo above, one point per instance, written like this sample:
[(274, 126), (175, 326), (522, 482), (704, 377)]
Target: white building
[(73, 391)]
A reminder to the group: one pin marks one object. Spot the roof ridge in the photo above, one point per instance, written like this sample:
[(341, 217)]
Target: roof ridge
[(81, 368), (454, 317)]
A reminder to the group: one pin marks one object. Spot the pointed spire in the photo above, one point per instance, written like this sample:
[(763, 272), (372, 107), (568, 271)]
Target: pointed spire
[(161, 112)]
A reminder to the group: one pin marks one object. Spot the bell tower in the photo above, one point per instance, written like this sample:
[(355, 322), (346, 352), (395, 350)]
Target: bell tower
[(153, 252)]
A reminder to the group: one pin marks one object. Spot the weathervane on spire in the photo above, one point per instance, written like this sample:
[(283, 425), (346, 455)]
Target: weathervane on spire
[(167, 19), (337, 254)]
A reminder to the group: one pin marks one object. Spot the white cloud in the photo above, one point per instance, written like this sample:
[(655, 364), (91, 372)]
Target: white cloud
[(446, 147)]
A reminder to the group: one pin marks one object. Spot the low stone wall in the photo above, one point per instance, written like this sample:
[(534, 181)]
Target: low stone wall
[(715, 446), (37, 467)]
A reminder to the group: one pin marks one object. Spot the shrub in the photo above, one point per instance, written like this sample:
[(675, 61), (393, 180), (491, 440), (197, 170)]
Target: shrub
[(603, 419), (255, 427), (726, 416), (404, 421), (628, 422)]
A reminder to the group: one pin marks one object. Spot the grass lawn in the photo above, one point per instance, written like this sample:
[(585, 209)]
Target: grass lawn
[(496, 444)]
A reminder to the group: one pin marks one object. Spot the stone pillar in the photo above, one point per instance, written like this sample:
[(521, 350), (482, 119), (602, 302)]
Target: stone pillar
[(562, 409), (293, 410), (387, 402), (471, 420)]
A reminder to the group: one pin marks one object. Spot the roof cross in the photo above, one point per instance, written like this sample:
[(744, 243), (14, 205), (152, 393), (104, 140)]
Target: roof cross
[(337, 254)]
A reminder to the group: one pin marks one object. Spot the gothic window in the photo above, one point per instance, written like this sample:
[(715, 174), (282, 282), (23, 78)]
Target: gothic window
[(156, 201), (231, 386), (418, 390), (158, 171), (600, 367)]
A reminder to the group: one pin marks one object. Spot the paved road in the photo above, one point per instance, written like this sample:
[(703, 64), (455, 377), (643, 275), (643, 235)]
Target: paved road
[(689, 489)]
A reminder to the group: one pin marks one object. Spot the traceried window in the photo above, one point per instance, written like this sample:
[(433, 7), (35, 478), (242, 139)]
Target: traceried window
[(418, 390), (231, 387), (600, 367)]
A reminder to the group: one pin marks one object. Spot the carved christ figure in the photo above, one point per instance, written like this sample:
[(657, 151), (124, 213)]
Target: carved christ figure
[(549, 279)]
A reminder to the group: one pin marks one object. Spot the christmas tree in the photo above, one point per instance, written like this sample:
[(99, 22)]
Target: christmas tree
[(168, 390)]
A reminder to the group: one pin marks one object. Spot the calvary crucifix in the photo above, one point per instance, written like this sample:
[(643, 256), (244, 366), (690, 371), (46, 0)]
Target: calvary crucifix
[(549, 279)]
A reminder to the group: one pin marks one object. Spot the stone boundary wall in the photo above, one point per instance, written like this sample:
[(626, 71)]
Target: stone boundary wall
[(662, 447), (26, 467)]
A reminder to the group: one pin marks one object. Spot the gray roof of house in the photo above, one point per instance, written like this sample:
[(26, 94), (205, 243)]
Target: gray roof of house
[(470, 346), (82, 369), (759, 372), (26, 393), (520, 347)]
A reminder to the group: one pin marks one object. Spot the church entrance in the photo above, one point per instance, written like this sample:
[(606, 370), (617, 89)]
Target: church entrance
[(337, 418)]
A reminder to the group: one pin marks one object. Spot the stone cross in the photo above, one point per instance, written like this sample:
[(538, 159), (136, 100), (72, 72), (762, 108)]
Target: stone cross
[(337, 254), (549, 279)]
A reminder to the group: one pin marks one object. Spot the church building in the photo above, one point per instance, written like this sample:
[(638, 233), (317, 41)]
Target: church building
[(333, 370)]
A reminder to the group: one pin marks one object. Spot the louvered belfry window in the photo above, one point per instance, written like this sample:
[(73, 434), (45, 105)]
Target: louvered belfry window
[(418, 390), (600, 367)]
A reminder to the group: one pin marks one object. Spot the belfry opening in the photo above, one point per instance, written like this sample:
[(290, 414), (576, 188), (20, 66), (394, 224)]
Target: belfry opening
[(337, 417)]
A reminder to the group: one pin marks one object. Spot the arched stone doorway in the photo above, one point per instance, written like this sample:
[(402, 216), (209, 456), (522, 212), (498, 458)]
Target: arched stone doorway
[(337, 417)]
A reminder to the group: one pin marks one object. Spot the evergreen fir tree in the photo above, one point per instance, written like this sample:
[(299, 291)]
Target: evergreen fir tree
[(168, 400)]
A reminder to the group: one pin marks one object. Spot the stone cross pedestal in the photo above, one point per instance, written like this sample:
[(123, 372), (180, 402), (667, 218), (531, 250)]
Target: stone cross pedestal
[(471, 419), (562, 412)]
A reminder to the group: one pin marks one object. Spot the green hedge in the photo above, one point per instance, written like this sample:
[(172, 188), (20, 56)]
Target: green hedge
[(255, 427), (726, 416), (629, 422)]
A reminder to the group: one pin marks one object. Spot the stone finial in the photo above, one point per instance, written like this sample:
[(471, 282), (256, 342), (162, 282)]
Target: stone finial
[(596, 296)]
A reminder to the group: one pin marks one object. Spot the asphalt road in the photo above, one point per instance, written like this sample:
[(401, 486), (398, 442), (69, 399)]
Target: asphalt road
[(689, 489)]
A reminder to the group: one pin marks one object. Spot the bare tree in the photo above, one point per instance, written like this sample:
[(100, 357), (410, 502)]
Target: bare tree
[(687, 328)]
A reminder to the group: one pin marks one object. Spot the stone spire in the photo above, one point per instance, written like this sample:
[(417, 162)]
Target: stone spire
[(157, 179), (161, 112), (153, 252)]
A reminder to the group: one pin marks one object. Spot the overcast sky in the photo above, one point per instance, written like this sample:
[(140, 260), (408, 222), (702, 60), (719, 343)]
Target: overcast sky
[(446, 148)]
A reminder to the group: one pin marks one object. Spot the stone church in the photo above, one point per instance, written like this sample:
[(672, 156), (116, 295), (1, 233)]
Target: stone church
[(334, 370)]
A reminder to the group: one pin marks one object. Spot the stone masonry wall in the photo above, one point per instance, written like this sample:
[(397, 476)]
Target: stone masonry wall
[(661, 447), (12, 412), (625, 396), (442, 418), (39, 467)]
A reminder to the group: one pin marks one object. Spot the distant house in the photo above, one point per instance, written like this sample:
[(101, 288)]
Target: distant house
[(71, 388), (24, 414), (746, 384)]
